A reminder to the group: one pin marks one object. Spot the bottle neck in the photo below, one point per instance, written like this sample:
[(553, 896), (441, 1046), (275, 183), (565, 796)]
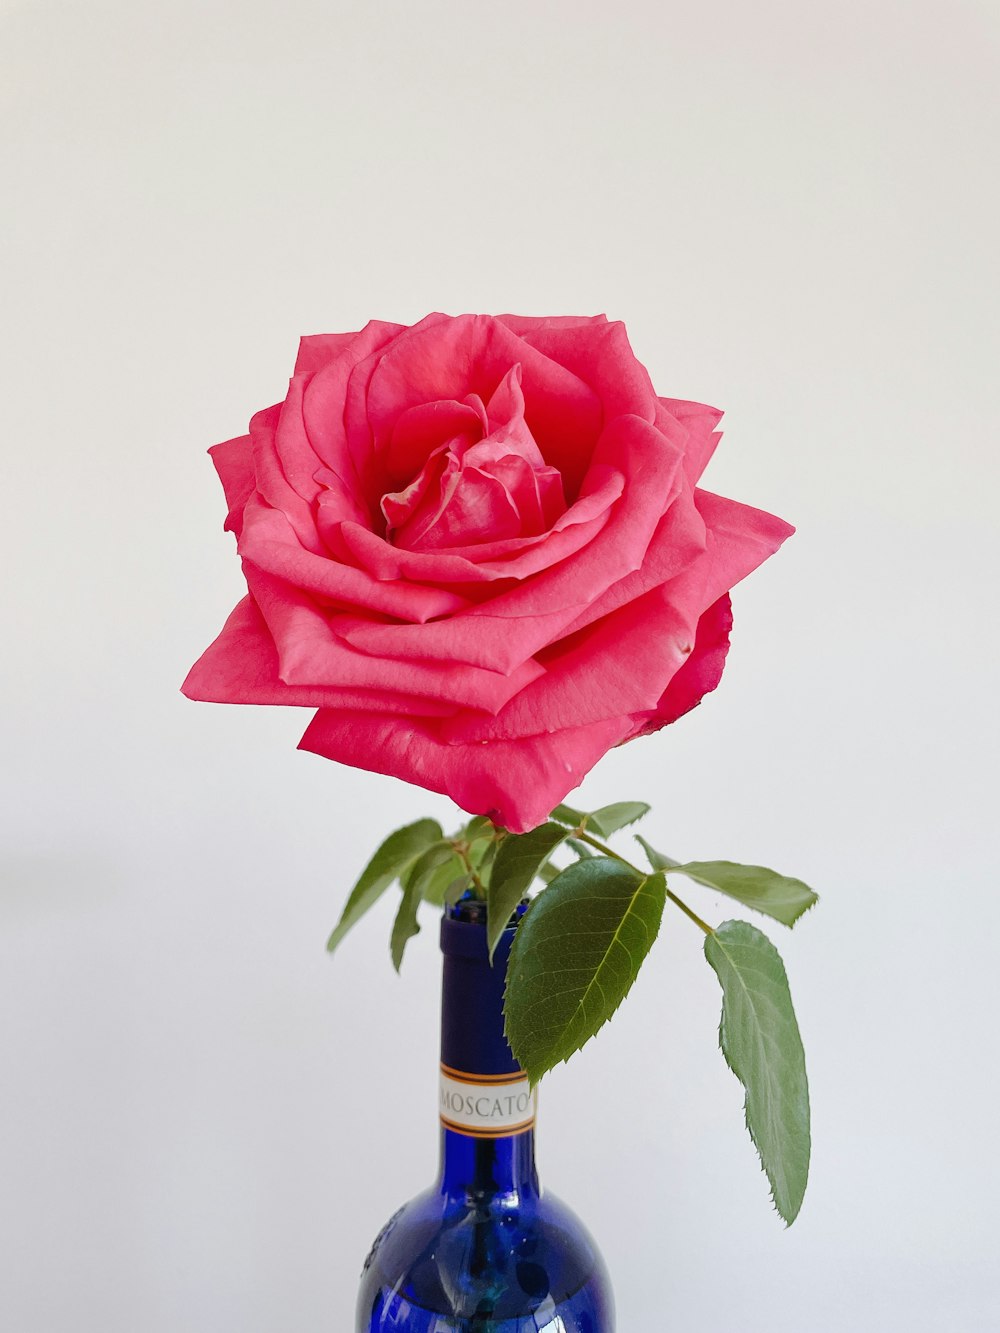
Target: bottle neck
[(487, 1107)]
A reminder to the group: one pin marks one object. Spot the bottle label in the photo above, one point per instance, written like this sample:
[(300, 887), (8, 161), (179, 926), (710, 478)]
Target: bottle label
[(486, 1106)]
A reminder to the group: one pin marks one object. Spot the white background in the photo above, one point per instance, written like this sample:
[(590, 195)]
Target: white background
[(203, 1120)]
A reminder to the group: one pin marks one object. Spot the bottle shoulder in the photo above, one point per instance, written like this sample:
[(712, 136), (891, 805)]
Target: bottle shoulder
[(509, 1256), (540, 1210)]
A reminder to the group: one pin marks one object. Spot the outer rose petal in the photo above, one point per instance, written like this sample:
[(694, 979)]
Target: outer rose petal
[(525, 324), (601, 356), (310, 652), (324, 408), (272, 484), (319, 349), (241, 667), (622, 664), (516, 783), (268, 542), (233, 461), (698, 422), (699, 675)]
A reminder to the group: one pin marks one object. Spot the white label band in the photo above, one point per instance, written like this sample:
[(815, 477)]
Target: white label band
[(486, 1106)]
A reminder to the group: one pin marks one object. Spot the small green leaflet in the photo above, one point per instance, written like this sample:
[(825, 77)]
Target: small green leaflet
[(656, 859), (764, 890), (478, 827), (393, 858), (456, 890), (760, 1040), (482, 857), (520, 858), (609, 819), (425, 869), (575, 956), (436, 884), (565, 814), (777, 896)]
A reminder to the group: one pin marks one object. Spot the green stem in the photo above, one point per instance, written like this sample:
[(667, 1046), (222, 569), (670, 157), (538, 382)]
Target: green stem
[(584, 836), (462, 852), (679, 902)]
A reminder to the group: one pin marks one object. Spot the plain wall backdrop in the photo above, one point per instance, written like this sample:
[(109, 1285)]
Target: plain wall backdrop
[(203, 1119)]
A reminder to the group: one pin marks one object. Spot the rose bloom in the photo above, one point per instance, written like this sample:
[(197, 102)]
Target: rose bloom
[(476, 546)]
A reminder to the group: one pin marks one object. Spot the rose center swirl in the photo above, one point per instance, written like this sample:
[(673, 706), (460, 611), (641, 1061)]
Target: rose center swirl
[(475, 473)]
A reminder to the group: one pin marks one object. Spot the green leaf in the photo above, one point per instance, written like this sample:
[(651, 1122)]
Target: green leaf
[(435, 885), (575, 956), (478, 827), (656, 859), (425, 869), (392, 859), (483, 862), (456, 889), (610, 818), (760, 1040), (565, 814), (519, 860), (605, 821), (764, 890)]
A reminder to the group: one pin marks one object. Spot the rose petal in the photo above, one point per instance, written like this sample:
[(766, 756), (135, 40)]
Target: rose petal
[(336, 503), (319, 349), (601, 356), (366, 452), (269, 543), (527, 324), (273, 485), (700, 674), (241, 667), (450, 358), (584, 679), (423, 492), (681, 538), (698, 420), (751, 534), (514, 625), (421, 430), (536, 493), (472, 501), (296, 457), (312, 652), (324, 407), (516, 783), (233, 461), (614, 668), (509, 433), (517, 558)]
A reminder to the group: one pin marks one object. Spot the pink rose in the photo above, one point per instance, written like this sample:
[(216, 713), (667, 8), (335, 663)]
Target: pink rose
[(476, 546)]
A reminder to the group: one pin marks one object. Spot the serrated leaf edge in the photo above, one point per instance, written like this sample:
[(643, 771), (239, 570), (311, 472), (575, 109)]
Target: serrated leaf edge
[(534, 1079), (746, 1098), (343, 926), (680, 868)]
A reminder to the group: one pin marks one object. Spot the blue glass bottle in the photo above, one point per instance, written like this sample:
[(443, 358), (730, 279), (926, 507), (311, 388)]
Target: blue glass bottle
[(484, 1250)]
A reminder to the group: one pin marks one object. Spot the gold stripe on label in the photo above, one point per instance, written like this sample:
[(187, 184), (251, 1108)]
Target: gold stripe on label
[(489, 1133), (478, 1079)]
